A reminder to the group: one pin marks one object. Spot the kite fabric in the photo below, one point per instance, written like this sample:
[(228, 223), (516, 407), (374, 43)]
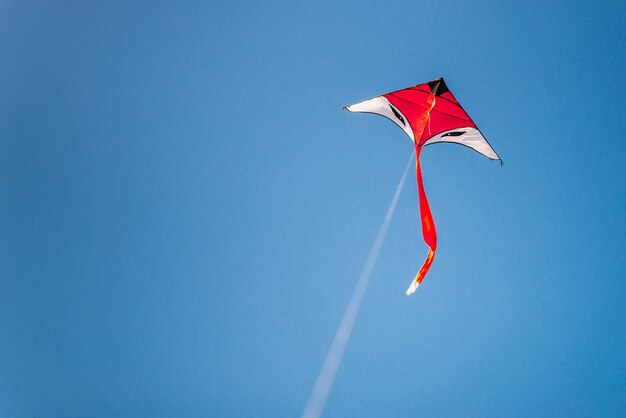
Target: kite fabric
[(428, 113)]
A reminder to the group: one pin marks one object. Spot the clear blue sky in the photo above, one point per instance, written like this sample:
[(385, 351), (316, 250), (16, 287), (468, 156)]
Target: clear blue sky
[(185, 209)]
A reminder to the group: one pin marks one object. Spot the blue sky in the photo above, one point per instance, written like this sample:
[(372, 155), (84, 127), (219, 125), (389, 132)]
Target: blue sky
[(186, 209)]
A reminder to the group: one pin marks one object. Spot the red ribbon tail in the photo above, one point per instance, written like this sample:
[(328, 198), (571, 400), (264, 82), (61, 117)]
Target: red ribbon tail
[(428, 230)]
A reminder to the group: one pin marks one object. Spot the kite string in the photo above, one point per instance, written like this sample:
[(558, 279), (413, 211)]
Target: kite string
[(326, 377)]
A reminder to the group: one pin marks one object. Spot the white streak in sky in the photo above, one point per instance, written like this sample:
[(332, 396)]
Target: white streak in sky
[(324, 383)]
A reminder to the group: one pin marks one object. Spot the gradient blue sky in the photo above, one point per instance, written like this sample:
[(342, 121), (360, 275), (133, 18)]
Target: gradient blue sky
[(185, 209)]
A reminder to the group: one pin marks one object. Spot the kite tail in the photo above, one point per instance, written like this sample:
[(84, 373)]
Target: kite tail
[(428, 229)]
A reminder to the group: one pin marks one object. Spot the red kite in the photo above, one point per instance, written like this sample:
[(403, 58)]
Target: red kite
[(428, 113)]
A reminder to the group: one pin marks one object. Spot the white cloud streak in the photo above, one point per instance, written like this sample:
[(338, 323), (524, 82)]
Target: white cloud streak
[(325, 379)]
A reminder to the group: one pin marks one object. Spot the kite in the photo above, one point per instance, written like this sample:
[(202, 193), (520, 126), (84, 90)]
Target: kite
[(429, 114)]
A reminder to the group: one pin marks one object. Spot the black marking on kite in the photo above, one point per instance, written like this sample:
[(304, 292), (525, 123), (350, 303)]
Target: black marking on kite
[(438, 87), (457, 133), (398, 115)]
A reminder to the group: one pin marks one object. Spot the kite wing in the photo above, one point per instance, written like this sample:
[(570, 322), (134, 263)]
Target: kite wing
[(428, 113)]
